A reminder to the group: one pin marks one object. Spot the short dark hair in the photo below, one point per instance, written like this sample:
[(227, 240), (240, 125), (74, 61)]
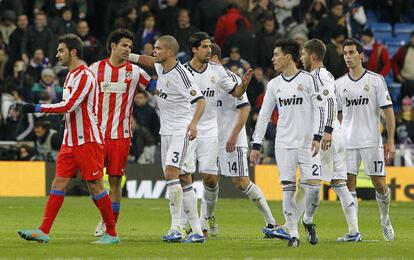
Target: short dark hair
[(194, 41), (289, 46), (317, 47), (117, 35), (215, 50), (72, 42), (353, 41), (41, 124)]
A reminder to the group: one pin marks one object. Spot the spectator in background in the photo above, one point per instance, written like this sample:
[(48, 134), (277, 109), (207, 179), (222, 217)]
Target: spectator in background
[(334, 20), (54, 121), (316, 12), (355, 18), (226, 24), (256, 86), (405, 122), (183, 31), (143, 144), (53, 7), (376, 55), (19, 125), (22, 81), (295, 31), (26, 153), (284, 9), (244, 40), (257, 11), (38, 36), (128, 19), (334, 61), (64, 24), (49, 84), (145, 114), (235, 63), (147, 33), (266, 39), (168, 17), (4, 58), (207, 13), (16, 38), (7, 25), (47, 143), (403, 67), (37, 64), (92, 47)]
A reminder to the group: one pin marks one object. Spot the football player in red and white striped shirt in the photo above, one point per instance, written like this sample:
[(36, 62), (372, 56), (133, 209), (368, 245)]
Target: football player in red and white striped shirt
[(82, 147), (118, 81)]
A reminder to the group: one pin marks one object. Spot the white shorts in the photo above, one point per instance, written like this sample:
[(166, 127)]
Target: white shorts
[(372, 157), (288, 160), (233, 164), (174, 150), (333, 160), (204, 154)]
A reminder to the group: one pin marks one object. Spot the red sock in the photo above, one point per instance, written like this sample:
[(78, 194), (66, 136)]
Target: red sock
[(116, 214), (53, 205), (105, 207)]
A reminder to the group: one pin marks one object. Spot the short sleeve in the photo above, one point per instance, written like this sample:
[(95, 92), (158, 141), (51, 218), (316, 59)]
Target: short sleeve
[(188, 87), (338, 96), (242, 101), (227, 80), (383, 97)]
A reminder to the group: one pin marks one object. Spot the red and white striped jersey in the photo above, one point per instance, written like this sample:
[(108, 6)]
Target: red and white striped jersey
[(117, 89), (80, 94)]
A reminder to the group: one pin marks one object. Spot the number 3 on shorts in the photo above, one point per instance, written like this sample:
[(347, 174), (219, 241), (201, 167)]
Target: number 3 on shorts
[(175, 158)]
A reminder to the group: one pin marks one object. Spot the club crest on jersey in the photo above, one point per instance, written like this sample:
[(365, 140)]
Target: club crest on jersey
[(325, 92), (366, 88), (388, 98), (300, 87), (213, 80), (128, 75), (193, 92)]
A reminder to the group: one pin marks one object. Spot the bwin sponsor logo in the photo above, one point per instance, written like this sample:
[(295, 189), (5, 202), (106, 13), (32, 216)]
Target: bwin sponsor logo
[(356, 101), (208, 92), (290, 101), (161, 94), (219, 103)]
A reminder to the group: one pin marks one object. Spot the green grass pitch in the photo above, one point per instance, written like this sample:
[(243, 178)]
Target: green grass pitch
[(143, 222)]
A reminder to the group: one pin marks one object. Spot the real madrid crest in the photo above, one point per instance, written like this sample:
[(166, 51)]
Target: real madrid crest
[(300, 87), (213, 80), (167, 84), (388, 98), (366, 88)]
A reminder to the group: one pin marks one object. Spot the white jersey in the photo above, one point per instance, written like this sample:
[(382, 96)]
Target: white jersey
[(298, 102), (210, 80), (228, 107), (176, 91), (360, 102), (327, 89)]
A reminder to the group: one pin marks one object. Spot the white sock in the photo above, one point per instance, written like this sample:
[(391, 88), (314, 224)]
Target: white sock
[(312, 198), (300, 198), (175, 196), (255, 194), (209, 201), (383, 201), (348, 206), (289, 209), (354, 196), (190, 208), (183, 218)]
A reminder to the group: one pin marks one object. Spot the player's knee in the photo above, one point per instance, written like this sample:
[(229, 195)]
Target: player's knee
[(210, 180), (185, 179), (240, 183), (338, 182), (60, 183)]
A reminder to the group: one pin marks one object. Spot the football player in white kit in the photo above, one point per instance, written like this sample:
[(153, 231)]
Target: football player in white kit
[(361, 94), (232, 142), (333, 147), (176, 91), (299, 128), (210, 77)]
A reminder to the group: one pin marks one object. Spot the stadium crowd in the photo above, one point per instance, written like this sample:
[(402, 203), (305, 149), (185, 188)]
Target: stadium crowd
[(246, 30)]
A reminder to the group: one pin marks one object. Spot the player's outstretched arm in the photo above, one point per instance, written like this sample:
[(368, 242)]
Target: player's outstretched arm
[(241, 88), (390, 120), (144, 60), (192, 127), (242, 116)]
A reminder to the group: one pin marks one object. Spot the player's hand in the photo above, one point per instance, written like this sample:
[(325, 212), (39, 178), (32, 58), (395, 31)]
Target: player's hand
[(255, 157), (326, 141), (231, 144), (192, 131), (390, 151), (247, 77), (315, 148)]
